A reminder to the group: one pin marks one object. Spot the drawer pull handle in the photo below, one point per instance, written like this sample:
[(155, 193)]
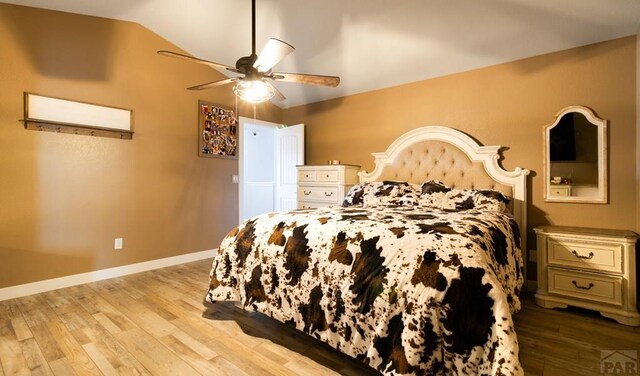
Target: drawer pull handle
[(583, 257), (583, 287), (326, 176), (328, 194), (306, 193)]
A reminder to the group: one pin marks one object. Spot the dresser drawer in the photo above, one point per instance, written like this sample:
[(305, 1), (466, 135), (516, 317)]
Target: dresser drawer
[(585, 255), (318, 193), (327, 176), (311, 204), (589, 286), (306, 175)]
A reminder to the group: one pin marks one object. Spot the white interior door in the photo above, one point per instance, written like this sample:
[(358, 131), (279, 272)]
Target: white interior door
[(289, 152), (256, 167)]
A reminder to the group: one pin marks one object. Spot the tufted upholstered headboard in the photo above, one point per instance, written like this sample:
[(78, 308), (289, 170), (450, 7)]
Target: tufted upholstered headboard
[(452, 157), (442, 161)]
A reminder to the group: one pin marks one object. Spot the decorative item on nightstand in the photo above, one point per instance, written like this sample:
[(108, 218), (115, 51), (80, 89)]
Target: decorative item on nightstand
[(588, 268), (325, 185)]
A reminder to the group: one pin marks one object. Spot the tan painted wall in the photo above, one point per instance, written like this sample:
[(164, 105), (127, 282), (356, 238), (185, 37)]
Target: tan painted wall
[(638, 131), (64, 198), (507, 104)]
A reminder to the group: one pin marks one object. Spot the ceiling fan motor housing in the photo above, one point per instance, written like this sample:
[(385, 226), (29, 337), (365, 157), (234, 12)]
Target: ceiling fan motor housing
[(245, 65)]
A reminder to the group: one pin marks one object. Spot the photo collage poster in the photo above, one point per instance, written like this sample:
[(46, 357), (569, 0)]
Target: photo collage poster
[(217, 131)]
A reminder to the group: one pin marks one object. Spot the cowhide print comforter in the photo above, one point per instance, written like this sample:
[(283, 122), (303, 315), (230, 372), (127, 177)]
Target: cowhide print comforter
[(408, 290)]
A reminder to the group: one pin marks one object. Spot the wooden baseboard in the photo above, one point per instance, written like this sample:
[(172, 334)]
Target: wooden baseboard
[(99, 275)]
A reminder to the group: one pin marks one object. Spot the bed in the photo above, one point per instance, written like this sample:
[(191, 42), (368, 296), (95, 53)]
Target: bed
[(393, 278)]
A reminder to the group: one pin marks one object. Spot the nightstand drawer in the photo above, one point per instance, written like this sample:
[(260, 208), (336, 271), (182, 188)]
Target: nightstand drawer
[(585, 255), (306, 175), (594, 287), (565, 192), (313, 193)]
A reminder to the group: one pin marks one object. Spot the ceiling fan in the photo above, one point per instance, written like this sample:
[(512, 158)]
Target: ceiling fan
[(255, 86)]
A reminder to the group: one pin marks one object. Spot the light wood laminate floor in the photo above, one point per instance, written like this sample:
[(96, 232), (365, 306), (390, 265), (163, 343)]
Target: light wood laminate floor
[(154, 323)]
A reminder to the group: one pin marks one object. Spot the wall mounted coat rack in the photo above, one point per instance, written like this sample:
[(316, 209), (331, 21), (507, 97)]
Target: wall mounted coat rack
[(51, 114)]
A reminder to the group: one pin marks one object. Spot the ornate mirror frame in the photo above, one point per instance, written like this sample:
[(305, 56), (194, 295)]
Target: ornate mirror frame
[(602, 194)]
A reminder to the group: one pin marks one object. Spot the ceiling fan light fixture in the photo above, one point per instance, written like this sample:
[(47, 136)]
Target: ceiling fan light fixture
[(254, 91)]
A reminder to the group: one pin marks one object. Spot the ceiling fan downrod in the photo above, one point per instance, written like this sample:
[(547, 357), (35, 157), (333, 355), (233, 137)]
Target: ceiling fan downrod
[(245, 63), (253, 27)]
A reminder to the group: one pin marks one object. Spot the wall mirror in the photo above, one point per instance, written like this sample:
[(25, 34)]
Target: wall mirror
[(575, 152)]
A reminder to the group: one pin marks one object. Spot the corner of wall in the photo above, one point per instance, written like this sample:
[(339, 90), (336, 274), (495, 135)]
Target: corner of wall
[(638, 130)]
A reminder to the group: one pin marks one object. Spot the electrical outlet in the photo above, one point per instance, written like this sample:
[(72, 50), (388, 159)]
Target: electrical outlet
[(117, 244), (234, 179), (533, 255)]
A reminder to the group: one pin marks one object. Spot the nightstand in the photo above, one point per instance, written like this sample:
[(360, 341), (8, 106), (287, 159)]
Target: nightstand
[(563, 190), (324, 185), (588, 268)]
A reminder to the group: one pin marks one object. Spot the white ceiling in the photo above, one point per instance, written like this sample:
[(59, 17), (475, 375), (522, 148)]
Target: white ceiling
[(371, 44)]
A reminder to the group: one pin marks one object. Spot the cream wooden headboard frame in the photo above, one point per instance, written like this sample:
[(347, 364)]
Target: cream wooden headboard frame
[(448, 155)]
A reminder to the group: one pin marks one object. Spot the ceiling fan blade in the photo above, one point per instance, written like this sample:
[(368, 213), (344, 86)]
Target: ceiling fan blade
[(196, 60), (312, 79), (278, 96), (213, 84), (273, 52)]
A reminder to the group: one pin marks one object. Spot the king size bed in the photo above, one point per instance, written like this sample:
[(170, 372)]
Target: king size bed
[(417, 273)]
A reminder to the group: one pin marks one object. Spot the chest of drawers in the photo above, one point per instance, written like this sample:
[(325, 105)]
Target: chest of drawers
[(325, 185), (589, 268)]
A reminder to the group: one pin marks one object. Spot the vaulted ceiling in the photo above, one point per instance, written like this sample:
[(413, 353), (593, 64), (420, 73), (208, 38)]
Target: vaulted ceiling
[(371, 44)]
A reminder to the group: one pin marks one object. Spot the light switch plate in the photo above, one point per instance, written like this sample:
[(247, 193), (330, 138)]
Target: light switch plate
[(117, 244), (234, 179)]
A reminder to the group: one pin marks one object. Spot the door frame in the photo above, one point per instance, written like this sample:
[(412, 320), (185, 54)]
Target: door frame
[(242, 121)]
